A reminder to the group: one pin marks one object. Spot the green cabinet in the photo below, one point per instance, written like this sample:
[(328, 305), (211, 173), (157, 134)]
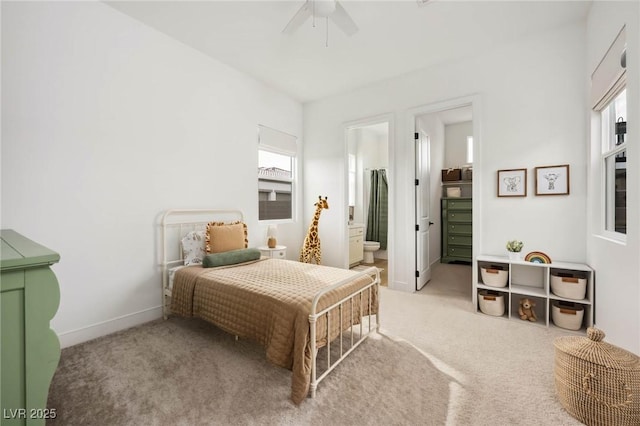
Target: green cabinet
[(456, 230), (29, 349)]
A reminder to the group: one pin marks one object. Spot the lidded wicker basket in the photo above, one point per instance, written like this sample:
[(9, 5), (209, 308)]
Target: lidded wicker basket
[(596, 382)]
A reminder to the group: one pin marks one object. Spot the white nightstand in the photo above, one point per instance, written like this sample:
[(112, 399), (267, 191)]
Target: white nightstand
[(278, 252)]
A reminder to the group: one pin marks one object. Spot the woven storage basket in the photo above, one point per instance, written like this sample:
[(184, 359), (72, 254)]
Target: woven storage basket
[(596, 382), (491, 302), (494, 277)]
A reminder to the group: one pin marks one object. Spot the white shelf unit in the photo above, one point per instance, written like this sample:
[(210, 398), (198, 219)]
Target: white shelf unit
[(533, 280), (465, 187)]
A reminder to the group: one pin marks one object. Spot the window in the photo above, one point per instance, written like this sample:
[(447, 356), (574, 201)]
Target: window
[(276, 174), (275, 184), (609, 101), (614, 156), (352, 180), (469, 149)]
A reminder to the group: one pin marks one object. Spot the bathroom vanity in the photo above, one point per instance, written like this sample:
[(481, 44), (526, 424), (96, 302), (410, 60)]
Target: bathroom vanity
[(356, 243)]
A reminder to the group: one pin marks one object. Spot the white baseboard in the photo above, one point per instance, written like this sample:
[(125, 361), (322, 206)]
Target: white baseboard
[(74, 337)]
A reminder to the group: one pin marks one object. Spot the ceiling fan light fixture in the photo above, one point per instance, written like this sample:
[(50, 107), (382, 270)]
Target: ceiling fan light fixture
[(324, 8), (328, 9)]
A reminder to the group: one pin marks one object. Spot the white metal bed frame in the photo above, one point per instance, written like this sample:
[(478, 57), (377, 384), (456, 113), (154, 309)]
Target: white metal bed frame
[(182, 221)]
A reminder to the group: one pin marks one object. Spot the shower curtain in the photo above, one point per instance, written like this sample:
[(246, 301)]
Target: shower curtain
[(378, 208)]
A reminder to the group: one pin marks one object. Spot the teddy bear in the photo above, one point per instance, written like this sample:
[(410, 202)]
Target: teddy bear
[(526, 310)]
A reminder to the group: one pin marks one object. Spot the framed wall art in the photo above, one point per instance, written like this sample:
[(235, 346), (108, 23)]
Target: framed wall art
[(552, 180), (512, 183)]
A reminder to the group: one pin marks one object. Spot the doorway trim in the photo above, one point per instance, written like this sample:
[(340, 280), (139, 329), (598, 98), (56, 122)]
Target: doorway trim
[(474, 101), (346, 127)]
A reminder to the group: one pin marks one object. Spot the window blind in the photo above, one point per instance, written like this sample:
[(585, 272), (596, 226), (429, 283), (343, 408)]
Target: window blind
[(276, 141), (609, 76)]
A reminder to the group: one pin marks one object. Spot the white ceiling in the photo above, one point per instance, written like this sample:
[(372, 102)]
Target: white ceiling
[(394, 37)]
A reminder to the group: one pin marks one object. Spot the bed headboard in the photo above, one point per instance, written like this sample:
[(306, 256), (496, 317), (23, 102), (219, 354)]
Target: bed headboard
[(174, 225)]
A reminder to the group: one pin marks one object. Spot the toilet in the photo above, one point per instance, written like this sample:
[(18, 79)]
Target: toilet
[(369, 248)]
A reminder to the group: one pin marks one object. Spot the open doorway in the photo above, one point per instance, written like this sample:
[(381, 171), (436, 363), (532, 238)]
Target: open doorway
[(448, 197), (368, 195)]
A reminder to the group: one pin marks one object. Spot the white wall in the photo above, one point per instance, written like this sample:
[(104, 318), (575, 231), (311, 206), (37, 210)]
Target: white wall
[(616, 265), (455, 145), (532, 114), (107, 123)]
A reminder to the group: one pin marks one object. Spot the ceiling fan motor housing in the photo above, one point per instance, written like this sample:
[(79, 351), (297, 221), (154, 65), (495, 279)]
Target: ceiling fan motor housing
[(324, 8)]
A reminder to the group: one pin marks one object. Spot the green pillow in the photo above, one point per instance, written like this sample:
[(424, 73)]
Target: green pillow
[(230, 257)]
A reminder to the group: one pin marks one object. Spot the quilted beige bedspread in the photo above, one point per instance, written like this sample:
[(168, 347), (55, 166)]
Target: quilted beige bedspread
[(269, 301)]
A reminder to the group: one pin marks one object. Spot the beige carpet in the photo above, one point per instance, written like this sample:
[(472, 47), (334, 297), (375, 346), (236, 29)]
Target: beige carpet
[(460, 368), (503, 368), (190, 373), (449, 280)]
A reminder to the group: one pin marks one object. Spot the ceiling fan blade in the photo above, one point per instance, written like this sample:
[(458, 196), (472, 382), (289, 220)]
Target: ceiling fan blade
[(342, 19), (298, 19)]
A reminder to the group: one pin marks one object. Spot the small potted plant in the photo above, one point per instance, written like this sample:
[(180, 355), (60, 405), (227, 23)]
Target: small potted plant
[(514, 247)]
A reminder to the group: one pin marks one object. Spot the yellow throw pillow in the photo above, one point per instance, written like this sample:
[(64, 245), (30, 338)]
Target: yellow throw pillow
[(223, 237)]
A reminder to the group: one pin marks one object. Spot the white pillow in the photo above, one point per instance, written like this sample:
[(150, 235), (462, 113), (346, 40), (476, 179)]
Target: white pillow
[(193, 245)]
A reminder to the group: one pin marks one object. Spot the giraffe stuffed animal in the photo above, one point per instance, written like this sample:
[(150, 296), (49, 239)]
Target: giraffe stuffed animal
[(311, 247)]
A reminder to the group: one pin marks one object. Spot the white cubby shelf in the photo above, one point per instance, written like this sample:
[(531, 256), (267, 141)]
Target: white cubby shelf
[(533, 280)]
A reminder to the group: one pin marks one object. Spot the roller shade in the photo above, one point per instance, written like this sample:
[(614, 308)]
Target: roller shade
[(268, 186), (609, 76), (276, 141)]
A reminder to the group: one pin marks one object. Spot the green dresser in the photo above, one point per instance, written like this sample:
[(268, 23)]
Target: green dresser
[(30, 350), (457, 220)]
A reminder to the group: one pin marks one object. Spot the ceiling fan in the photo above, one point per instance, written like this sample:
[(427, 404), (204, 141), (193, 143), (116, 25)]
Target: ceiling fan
[(329, 9)]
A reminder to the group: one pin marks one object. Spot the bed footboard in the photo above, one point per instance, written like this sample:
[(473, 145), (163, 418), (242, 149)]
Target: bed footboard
[(358, 331)]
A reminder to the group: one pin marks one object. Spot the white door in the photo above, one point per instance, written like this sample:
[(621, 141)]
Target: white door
[(423, 222)]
